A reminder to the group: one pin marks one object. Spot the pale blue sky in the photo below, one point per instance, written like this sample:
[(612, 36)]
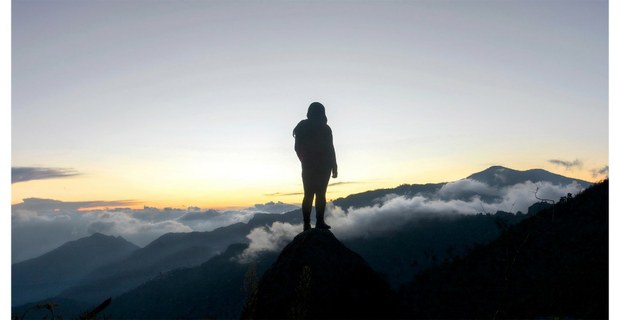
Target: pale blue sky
[(204, 94)]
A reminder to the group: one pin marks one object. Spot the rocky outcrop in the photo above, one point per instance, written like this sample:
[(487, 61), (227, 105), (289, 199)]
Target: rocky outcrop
[(317, 277)]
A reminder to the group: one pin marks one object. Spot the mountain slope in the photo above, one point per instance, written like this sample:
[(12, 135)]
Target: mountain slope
[(401, 254), (168, 252), (215, 289), (553, 264), (49, 274)]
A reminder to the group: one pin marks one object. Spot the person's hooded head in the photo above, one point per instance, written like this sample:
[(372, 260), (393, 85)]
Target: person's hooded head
[(316, 112)]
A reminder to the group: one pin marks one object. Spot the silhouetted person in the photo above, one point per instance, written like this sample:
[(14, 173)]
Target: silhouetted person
[(315, 149)]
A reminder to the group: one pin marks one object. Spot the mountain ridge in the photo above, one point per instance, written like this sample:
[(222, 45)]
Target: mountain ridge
[(166, 253), (499, 176), (488, 176)]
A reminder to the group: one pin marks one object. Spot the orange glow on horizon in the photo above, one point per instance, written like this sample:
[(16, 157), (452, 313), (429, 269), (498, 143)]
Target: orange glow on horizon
[(179, 193), (104, 208)]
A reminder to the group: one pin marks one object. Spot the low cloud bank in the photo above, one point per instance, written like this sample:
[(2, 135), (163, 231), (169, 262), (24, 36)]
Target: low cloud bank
[(40, 225), (463, 197), (270, 238)]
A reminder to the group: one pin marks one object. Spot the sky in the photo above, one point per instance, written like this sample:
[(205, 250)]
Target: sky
[(187, 104), (192, 103)]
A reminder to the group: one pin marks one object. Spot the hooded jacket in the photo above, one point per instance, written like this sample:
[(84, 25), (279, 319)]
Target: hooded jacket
[(314, 145)]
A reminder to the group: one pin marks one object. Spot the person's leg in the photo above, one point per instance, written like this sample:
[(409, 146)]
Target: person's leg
[(306, 204), (306, 208), (321, 201)]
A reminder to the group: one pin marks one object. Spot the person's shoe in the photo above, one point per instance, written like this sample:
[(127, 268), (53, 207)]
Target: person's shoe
[(307, 226), (323, 226)]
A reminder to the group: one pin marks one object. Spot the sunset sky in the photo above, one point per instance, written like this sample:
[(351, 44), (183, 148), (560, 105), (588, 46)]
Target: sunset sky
[(192, 103)]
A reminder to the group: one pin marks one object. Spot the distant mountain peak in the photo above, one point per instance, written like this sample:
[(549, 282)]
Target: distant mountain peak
[(500, 168), (99, 235), (499, 176), (98, 238)]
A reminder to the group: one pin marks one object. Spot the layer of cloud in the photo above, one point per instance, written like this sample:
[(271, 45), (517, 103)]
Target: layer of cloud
[(273, 207), (40, 225), (567, 165), (339, 183), (466, 188), (36, 230), (271, 238), (22, 174), (121, 223), (212, 219), (394, 211), (55, 205), (283, 194)]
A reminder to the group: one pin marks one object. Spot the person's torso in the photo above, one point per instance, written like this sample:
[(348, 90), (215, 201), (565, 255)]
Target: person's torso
[(313, 142)]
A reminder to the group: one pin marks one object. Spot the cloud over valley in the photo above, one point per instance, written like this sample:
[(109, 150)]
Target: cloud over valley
[(392, 212), (40, 225)]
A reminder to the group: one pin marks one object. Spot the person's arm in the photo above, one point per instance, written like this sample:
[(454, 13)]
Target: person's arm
[(299, 153), (298, 145), (333, 155)]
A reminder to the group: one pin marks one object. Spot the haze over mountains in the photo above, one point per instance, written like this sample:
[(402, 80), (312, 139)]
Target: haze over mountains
[(47, 275), (400, 232), (40, 225)]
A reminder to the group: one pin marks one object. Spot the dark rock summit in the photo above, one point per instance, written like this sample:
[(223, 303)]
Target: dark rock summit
[(317, 277)]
